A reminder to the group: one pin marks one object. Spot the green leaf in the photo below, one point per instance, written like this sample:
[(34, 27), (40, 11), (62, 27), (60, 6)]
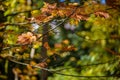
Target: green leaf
[(6, 66)]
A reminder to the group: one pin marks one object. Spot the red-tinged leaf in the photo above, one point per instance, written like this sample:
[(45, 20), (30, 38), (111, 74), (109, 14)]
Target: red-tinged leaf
[(46, 45), (102, 14), (68, 48)]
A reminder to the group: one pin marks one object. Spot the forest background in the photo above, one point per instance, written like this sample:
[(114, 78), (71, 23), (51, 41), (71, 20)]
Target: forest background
[(59, 39)]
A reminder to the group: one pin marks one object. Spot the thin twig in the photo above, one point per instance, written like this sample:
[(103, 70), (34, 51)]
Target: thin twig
[(59, 23), (55, 71), (111, 51), (13, 14), (30, 65), (19, 24)]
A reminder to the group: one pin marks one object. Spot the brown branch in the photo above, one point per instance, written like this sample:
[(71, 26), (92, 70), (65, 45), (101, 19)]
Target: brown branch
[(111, 51), (43, 52), (115, 36), (35, 66)]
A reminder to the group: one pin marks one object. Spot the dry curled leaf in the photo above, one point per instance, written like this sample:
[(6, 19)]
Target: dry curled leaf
[(26, 38), (102, 14), (42, 64), (16, 71), (47, 8)]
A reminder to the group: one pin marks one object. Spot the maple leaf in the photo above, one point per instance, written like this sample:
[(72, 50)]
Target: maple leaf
[(26, 38)]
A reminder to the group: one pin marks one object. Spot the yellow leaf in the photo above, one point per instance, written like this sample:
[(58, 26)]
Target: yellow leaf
[(29, 67), (66, 42), (33, 63), (50, 52), (37, 44)]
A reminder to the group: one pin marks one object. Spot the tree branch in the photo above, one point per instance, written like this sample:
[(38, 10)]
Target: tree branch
[(111, 51), (55, 71), (83, 76), (13, 14)]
